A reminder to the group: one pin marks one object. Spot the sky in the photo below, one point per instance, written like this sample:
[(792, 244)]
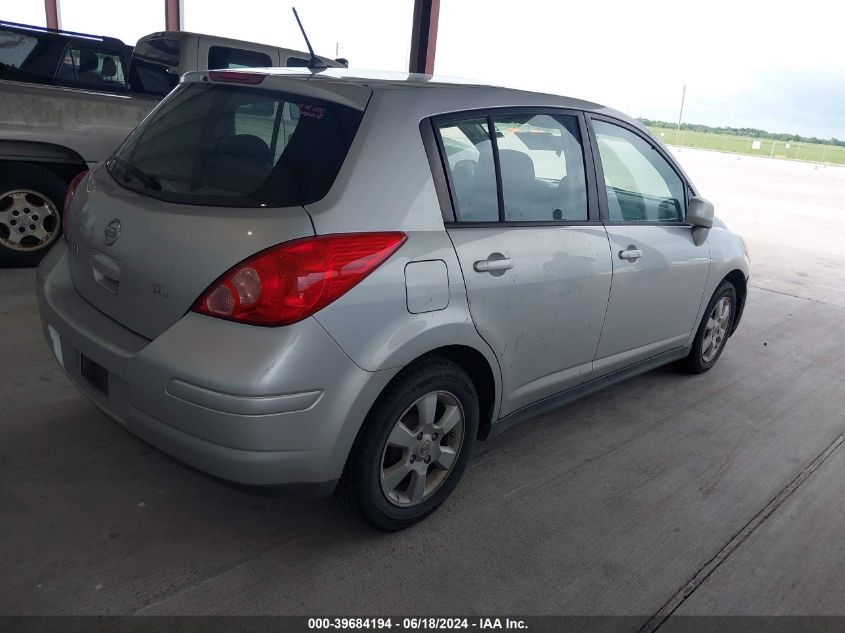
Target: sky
[(771, 65)]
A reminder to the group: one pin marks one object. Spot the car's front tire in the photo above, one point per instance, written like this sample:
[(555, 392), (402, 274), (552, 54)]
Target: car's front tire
[(413, 447), (713, 331)]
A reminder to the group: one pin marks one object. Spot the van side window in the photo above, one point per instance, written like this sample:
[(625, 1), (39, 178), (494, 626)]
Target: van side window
[(221, 57), (469, 155)]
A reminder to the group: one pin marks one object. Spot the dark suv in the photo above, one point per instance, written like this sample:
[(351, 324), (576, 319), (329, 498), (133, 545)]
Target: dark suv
[(38, 55)]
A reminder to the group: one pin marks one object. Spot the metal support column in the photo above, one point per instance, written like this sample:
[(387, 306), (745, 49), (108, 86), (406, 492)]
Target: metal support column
[(173, 15), (51, 9), (424, 36)]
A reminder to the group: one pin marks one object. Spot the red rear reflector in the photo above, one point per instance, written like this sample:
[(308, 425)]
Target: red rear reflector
[(289, 282), (69, 198), (236, 77)]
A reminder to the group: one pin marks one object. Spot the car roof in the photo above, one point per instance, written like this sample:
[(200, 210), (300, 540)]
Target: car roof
[(387, 80)]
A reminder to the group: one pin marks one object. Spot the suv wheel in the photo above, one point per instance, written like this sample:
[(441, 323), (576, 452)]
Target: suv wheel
[(31, 200), (413, 447), (714, 330)]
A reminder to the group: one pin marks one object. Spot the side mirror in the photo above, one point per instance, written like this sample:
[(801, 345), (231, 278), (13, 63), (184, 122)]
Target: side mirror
[(700, 214)]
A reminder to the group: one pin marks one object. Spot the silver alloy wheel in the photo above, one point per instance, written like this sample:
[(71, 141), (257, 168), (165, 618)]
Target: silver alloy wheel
[(716, 330), (28, 220), (422, 448)]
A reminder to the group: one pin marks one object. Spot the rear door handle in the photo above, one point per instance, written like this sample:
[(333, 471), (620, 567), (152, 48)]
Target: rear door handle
[(489, 265), (632, 253)]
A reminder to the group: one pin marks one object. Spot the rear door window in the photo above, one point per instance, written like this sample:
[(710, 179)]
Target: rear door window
[(535, 160), (222, 57), (542, 166), (91, 67), (223, 145), (469, 156)]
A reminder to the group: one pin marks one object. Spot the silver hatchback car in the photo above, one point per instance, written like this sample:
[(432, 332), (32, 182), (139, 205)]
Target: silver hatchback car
[(342, 281)]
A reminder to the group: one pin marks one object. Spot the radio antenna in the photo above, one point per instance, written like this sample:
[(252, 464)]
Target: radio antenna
[(315, 62)]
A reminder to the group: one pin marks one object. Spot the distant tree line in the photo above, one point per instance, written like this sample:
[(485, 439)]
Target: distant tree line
[(743, 131)]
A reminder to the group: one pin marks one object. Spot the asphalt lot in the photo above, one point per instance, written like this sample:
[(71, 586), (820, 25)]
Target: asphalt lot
[(727, 488)]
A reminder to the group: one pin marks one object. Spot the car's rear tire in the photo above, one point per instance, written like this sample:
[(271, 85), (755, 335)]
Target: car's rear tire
[(31, 200), (413, 447), (713, 331)]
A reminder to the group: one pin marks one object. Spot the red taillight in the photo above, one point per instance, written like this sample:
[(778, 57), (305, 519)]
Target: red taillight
[(69, 198), (289, 282), (236, 77)]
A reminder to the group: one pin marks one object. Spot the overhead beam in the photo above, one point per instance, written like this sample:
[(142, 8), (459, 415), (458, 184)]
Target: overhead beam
[(51, 9), (424, 36), (172, 15)]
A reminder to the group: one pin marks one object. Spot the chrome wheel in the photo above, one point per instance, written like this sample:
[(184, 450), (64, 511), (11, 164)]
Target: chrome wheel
[(716, 330), (29, 221), (422, 448)]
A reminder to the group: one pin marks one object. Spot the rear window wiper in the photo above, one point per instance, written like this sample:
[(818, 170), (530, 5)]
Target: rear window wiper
[(150, 182)]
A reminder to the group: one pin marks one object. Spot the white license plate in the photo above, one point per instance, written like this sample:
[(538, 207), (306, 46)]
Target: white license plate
[(57, 344)]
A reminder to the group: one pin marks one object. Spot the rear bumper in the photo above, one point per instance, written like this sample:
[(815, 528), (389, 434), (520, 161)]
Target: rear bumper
[(257, 406)]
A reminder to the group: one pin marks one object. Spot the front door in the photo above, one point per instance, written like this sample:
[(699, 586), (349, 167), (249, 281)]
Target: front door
[(536, 264), (659, 273)]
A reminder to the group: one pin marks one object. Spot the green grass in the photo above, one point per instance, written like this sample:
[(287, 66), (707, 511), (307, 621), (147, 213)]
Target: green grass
[(813, 152)]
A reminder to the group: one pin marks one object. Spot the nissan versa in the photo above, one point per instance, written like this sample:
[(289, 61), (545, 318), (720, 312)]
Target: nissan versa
[(342, 281)]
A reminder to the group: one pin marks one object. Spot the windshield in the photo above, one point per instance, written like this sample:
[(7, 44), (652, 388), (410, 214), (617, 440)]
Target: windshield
[(222, 145)]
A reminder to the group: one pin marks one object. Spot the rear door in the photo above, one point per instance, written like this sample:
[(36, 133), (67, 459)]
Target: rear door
[(534, 255), (659, 273)]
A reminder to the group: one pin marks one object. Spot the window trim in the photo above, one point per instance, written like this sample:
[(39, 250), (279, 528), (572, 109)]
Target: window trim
[(60, 61), (497, 166), (438, 161), (599, 172)]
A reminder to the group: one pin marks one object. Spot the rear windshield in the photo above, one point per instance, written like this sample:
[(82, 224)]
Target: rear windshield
[(223, 145)]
